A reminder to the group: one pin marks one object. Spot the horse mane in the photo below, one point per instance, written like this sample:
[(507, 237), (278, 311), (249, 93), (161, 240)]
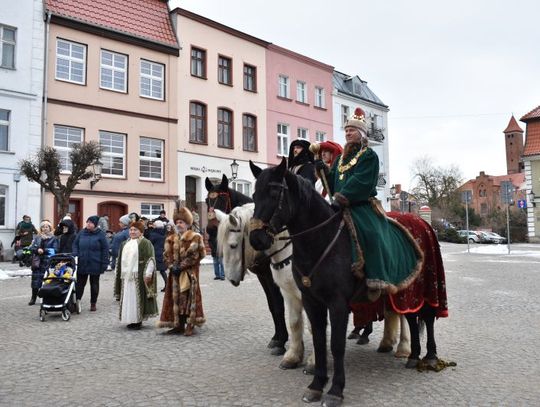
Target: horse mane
[(244, 213), (238, 198)]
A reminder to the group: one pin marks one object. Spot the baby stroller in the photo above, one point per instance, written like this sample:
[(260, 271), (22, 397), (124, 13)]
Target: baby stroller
[(58, 289)]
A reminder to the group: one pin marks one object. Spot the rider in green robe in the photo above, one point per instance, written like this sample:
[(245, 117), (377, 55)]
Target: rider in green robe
[(391, 257)]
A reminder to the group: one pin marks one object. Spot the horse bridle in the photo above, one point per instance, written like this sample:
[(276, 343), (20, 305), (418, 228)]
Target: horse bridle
[(212, 200)]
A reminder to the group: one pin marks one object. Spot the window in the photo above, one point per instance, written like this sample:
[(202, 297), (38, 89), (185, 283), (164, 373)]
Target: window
[(225, 128), (320, 136), (197, 123), (284, 90), (64, 140), (198, 62), (301, 95), (151, 210), (113, 147), (4, 130), (344, 115), (249, 132), (319, 97), (302, 133), (152, 75), (3, 196), (243, 187), (70, 61), (225, 70), (250, 78), (150, 158), (283, 139), (113, 73), (7, 47)]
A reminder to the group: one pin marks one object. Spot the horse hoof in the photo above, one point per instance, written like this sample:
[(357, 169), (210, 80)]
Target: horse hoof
[(286, 365), (309, 370), (431, 363), (329, 400), (353, 335), (384, 349), (278, 351), (411, 363), (401, 354), (362, 340), (274, 343), (311, 395)]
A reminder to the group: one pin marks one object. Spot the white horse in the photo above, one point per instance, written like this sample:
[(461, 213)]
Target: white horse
[(238, 255)]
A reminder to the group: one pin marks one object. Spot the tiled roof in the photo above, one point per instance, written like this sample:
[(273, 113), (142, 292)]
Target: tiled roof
[(532, 141), (513, 126), (533, 114), (517, 179), (354, 86), (146, 19)]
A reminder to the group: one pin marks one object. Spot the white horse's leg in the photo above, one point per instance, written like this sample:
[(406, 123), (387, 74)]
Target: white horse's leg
[(404, 346), (295, 353), (391, 326)]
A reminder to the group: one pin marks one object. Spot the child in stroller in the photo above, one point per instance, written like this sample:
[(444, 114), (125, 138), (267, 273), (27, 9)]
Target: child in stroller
[(58, 289), (23, 254)]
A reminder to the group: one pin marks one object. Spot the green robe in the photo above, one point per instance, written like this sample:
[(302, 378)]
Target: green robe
[(390, 256), (146, 294)]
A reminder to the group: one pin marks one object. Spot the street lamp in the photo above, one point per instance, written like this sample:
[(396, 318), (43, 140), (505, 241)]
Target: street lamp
[(234, 169), (96, 171), (392, 196)]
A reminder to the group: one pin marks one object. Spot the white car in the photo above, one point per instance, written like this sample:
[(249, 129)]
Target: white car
[(473, 237), (496, 238)]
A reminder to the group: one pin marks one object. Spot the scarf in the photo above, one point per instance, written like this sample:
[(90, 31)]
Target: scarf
[(130, 260)]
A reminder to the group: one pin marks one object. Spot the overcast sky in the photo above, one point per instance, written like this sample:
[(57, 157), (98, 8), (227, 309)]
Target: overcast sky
[(452, 73)]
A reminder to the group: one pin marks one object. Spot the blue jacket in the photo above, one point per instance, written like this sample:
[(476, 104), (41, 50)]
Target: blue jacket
[(92, 248), (117, 241), (157, 237)]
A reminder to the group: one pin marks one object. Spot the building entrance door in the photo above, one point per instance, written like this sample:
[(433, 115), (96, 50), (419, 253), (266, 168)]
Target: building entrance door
[(114, 210)]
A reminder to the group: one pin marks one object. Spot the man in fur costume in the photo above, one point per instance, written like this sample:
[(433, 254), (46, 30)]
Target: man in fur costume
[(391, 259), (182, 304), (300, 160), (135, 285)]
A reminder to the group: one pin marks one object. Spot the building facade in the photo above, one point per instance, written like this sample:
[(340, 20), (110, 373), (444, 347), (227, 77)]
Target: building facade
[(111, 77), (350, 92), (222, 107), (513, 137), (21, 87), (298, 100), (531, 162)]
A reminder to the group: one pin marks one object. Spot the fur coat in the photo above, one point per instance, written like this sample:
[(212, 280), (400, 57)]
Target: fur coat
[(183, 300)]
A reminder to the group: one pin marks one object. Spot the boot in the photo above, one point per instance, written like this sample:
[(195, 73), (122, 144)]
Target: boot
[(93, 306), (34, 295), (79, 309)]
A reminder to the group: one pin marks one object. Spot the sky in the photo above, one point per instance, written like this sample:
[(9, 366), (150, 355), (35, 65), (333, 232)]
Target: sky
[(452, 73)]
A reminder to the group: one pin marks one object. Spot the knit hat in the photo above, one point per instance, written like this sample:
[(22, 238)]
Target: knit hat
[(158, 224), (94, 219), (137, 224), (124, 220), (184, 214), (358, 120)]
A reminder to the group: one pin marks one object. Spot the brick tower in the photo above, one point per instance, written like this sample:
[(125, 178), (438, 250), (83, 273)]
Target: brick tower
[(513, 136)]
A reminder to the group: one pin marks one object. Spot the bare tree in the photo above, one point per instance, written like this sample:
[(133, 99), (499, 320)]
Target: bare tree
[(47, 161), (435, 186)]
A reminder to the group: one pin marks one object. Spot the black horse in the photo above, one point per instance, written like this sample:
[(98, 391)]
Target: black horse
[(321, 267), (225, 199)]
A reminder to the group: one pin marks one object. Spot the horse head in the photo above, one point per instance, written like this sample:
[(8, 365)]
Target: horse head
[(273, 205), (232, 231)]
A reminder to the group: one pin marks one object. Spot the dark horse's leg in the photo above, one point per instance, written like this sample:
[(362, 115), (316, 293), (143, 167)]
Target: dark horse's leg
[(339, 316), (316, 312), (428, 315), (276, 306), (414, 357), (364, 338)]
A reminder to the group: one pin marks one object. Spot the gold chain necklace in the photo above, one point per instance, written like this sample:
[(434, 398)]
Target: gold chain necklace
[(343, 168)]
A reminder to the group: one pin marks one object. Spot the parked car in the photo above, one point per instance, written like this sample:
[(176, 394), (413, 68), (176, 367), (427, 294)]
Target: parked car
[(496, 238), (472, 236), (485, 237)]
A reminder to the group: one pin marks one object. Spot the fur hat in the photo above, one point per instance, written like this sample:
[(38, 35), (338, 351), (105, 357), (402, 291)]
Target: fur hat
[(137, 224), (184, 214), (358, 120), (94, 219), (158, 224), (124, 220)]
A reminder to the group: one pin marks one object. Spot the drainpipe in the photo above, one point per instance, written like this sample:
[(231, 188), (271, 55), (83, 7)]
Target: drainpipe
[(44, 104)]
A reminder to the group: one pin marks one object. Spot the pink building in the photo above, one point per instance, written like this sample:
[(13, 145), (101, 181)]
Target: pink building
[(299, 100), (111, 77)]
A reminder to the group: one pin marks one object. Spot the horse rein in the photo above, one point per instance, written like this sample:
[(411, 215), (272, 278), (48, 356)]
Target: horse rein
[(213, 199)]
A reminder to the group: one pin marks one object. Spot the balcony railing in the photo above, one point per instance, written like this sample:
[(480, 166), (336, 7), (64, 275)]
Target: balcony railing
[(376, 134)]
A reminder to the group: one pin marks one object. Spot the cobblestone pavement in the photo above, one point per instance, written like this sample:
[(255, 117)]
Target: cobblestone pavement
[(92, 360)]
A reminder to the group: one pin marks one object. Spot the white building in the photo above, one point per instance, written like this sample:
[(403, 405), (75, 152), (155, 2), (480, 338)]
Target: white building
[(21, 88), (349, 93)]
